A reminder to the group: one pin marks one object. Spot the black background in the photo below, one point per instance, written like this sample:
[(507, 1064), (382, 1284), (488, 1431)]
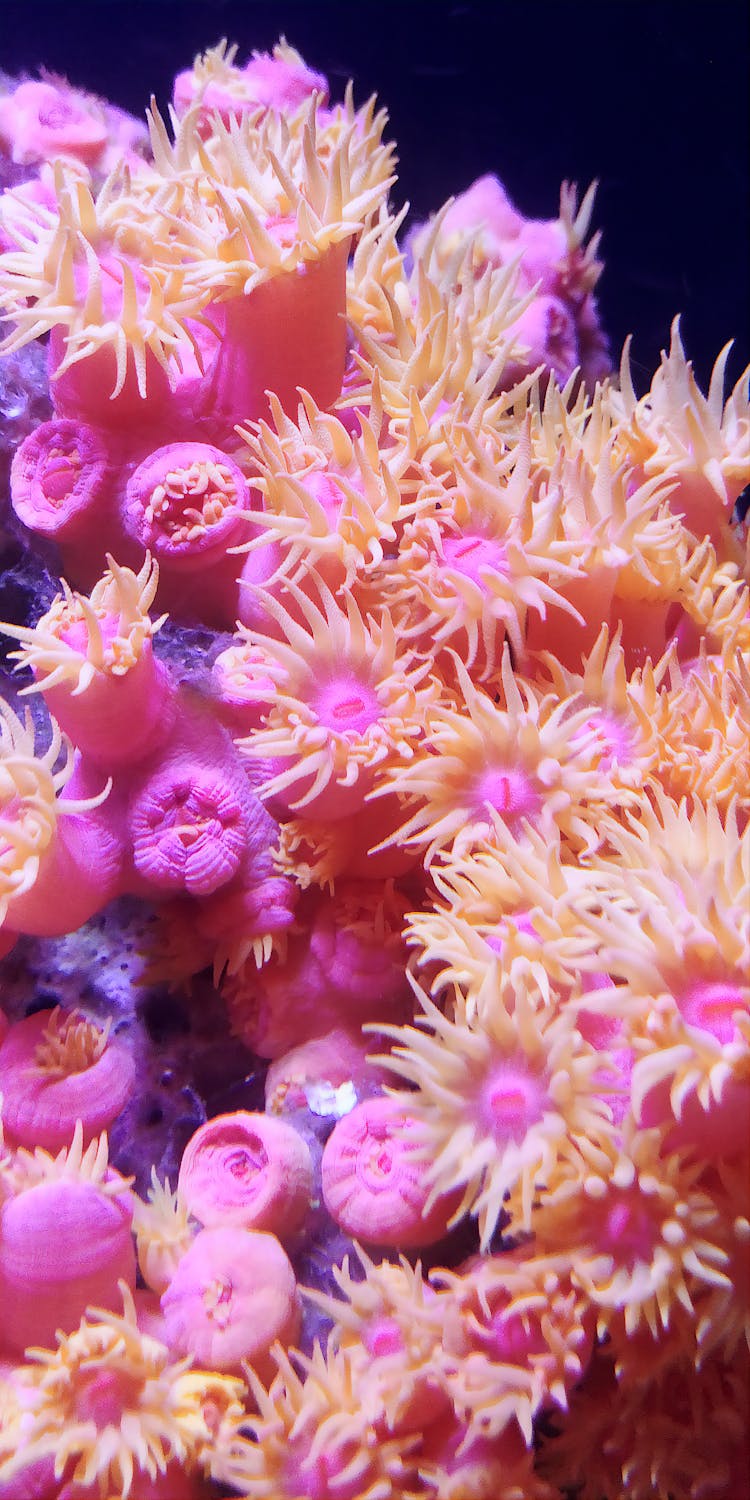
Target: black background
[(650, 98)]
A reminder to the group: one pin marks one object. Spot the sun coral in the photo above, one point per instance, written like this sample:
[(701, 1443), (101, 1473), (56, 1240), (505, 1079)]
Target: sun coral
[(243, 221), (279, 80), (163, 1230), (58, 479), (42, 121), (501, 1093), (700, 443), (330, 499), (640, 1232), (552, 261), (344, 964), (56, 1069), (65, 1239), (391, 1321), (373, 1185), (679, 1434), (483, 553), (232, 1296), (508, 907), (673, 926), (349, 704), (107, 1404), (93, 661), (518, 1338), (525, 758), (316, 1432)]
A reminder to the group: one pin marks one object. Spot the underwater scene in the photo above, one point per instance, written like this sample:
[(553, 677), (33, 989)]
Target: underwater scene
[(374, 794)]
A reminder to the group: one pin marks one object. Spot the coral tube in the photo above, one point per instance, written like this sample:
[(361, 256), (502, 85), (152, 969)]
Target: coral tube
[(93, 661)]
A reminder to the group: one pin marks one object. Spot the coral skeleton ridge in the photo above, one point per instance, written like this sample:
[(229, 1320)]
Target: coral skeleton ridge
[(374, 837)]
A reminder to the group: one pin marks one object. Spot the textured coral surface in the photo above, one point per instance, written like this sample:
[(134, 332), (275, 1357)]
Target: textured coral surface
[(374, 840)]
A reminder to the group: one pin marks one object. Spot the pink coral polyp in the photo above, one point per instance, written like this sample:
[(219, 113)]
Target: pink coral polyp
[(57, 477), (374, 1182), (711, 1006), (188, 831), (40, 121), (510, 793), (185, 503), (513, 1098), (344, 702)]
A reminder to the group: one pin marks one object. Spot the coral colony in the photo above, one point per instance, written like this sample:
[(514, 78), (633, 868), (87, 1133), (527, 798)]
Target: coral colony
[(448, 807)]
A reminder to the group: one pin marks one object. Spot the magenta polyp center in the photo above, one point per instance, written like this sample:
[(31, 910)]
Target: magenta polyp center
[(327, 494), (512, 1099), (344, 704), (58, 474), (474, 555), (376, 1164), (711, 1005), (604, 733), (514, 1338), (383, 1336), (245, 1162)]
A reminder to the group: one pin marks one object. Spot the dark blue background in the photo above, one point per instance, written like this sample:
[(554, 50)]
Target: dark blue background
[(651, 98)]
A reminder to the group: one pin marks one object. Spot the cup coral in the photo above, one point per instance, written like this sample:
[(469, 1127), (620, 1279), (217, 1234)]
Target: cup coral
[(107, 1404), (452, 831), (58, 864), (247, 1171), (501, 1094), (56, 1069)]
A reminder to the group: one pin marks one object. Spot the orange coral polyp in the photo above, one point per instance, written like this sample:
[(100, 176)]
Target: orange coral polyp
[(57, 1069), (349, 702), (481, 761)]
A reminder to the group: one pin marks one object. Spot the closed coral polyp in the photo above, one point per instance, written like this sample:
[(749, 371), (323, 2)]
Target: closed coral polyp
[(248, 1171)]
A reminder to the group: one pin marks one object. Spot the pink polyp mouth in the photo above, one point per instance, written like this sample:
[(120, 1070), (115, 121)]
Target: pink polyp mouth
[(327, 493), (509, 792), (344, 704), (513, 1099), (244, 1163), (606, 737), (103, 1396), (627, 1231), (375, 1166), (188, 835), (57, 474), (474, 556), (383, 1337), (513, 1339), (710, 1006)]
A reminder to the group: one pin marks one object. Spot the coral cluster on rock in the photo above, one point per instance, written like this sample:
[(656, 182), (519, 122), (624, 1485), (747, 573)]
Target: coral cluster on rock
[(425, 796)]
